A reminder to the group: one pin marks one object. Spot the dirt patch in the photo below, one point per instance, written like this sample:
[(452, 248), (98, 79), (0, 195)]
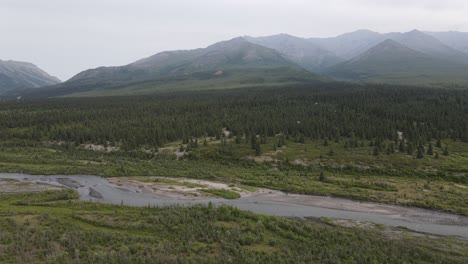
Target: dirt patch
[(262, 158), (183, 188), (392, 232), (17, 186), (299, 162), (100, 148)]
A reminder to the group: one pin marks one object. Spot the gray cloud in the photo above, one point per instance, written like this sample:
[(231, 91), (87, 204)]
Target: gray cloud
[(65, 37)]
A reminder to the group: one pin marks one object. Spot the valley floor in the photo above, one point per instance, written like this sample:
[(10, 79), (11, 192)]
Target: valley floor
[(54, 227), (395, 178)]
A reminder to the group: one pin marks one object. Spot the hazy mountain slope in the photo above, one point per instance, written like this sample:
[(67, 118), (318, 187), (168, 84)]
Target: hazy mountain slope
[(430, 45), (453, 39), (305, 53), (351, 44), (220, 56), (225, 63), (21, 75), (390, 61)]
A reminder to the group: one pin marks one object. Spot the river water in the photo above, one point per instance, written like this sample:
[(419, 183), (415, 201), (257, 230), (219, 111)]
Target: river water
[(98, 189)]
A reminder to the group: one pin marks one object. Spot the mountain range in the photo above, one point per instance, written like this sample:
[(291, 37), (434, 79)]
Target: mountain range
[(415, 57), (16, 75)]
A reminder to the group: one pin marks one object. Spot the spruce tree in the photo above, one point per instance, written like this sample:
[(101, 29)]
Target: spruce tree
[(325, 142), (420, 153), (446, 152), (258, 150), (321, 176), (409, 149), (376, 151), (401, 147), (430, 150)]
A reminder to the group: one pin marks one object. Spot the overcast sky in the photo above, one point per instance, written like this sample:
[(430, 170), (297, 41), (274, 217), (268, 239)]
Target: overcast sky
[(64, 37)]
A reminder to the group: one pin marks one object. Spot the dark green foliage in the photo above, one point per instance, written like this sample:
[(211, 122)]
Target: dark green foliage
[(322, 176), (335, 110), (446, 151), (325, 142), (64, 231), (401, 147), (430, 150), (409, 149), (420, 153), (376, 151)]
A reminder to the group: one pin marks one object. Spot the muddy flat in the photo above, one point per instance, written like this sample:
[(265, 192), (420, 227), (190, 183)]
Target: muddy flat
[(17, 186)]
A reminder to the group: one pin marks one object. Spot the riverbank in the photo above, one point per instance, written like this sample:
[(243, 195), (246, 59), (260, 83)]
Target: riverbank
[(130, 191), (54, 227)]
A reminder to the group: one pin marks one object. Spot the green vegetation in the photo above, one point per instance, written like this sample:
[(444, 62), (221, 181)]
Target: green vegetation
[(354, 173), (396, 145), (311, 111), (52, 227), (371, 143), (231, 79), (227, 194)]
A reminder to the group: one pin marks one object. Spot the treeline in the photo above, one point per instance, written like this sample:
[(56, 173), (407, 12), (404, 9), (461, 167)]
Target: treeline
[(333, 110)]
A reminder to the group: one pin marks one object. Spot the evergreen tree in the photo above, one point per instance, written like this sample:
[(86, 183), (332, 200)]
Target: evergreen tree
[(258, 150), (253, 142), (401, 147), (430, 150), (420, 153), (322, 177), (409, 149), (376, 151), (238, 140), (301, 138), (446, 151), (325, 142)]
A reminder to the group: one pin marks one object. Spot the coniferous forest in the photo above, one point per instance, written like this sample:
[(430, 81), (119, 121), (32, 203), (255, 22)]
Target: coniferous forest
[(381, 143), (373, 112)]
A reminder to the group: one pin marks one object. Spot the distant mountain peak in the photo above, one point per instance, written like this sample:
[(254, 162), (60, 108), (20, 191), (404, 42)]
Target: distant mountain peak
[(414, 31), (361, 33), (302, 51), (20, 75), (387, 50), (389, 42)]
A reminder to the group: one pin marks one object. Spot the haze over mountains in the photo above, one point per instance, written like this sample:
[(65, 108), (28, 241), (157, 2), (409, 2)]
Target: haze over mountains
[(415, 57), (22, 75)]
